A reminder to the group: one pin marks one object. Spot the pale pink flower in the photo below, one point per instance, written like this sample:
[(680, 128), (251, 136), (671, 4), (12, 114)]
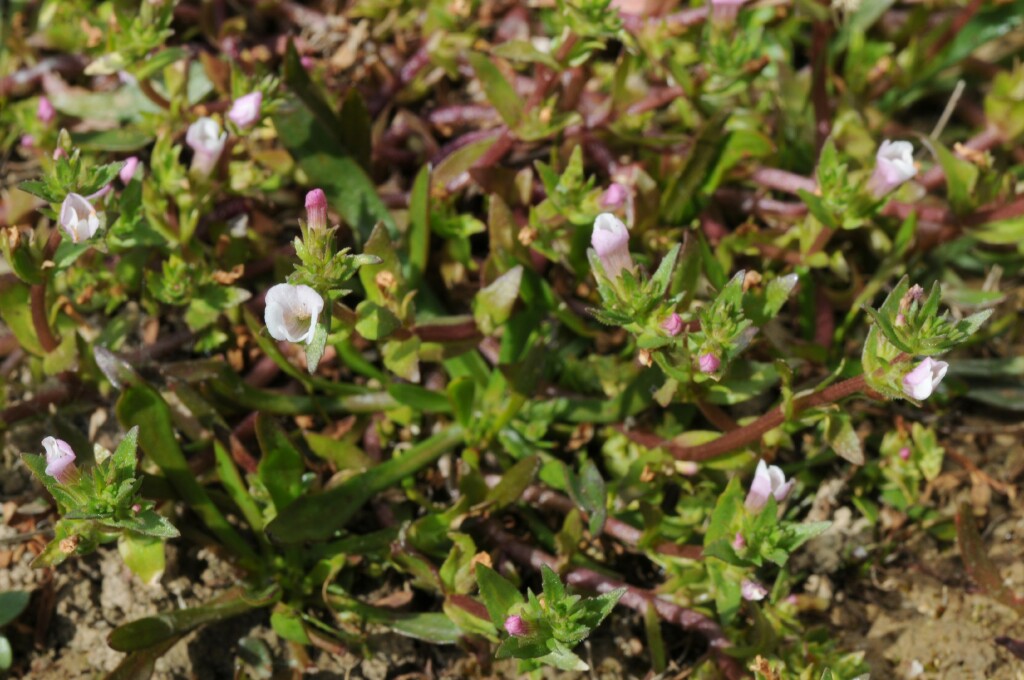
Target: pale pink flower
[(752, 590), (769, 480), (245, 111), (708, 362), (127, 170), (207, 140), (894, 165), (78, 218), (921, 382), (45, 113), (60, 460), (292, 312), (610, 239)]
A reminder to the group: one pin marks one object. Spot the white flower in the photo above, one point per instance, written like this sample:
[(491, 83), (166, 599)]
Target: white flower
[(207, 142), (769, 480), (60, 460), (926, 376), (245, 111), (78, 218), (292, 312), (611, 242), (894, 165)]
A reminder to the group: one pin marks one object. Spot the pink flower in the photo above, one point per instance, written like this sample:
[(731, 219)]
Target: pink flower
[(28, 141), (610, 239), (316, 210), (921, 382), (904, 453), (768, 481), (516, 627), (752, 590), (60, 460), (245, 111), (894, 165), (673, 324), (708, 362), (45, 113), (128, 169), (738, 542), (614, 197)]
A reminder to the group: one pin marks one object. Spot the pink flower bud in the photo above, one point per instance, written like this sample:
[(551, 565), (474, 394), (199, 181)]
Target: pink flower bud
[(768, 481), (610, 239), (516, 627), (245, 111), (708, 362), (894, 165), (752, 590), (59, 153), (28, 141), (922, 381), (60, 460), (614, 197), (136, 508), (738, 542), (128, 169), (307, 62), (45, 113), (316, 210), (673, 324), (904, 453)]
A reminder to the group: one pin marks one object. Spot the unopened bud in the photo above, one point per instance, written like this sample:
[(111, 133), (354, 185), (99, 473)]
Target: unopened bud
[(316, 210)]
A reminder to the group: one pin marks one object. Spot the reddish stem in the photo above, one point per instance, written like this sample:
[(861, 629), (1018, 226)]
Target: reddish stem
[(37, 298), (753, 432)]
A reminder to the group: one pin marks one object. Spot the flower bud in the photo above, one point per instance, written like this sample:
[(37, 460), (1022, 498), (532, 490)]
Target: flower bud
[(60, 460), (769, 480), (894, 165), (614, 197), (78, 218), (752, 590), (45, 113), (738, 542), (708, 362), (921, 382), (28, 141), (292, 312), (127, 171), (673, 324), (245, 111), (206, 139), (316, 210), (516, 627), (904, 453), (610, 239)]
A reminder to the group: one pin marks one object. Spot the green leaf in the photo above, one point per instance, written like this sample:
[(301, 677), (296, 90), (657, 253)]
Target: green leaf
[(318, 517), (152, 630), (728, 506), (462, 392), (418, 237), (281, 466), (961, 178), (288, 624), (498, 90), (311, 132), (125, 457), (554, 591), (315, 348), (375, 322), (843, 439), (144, 555), (663, 276), (17, 314), (420, 398), (590, 493), (513, 482), (12, 603), (492, 306), (498, 594), (402, 358)]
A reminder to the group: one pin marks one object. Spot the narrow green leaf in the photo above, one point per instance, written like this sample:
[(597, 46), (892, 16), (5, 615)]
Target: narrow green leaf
[(498, 594), (281, 466), (499, 91)]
